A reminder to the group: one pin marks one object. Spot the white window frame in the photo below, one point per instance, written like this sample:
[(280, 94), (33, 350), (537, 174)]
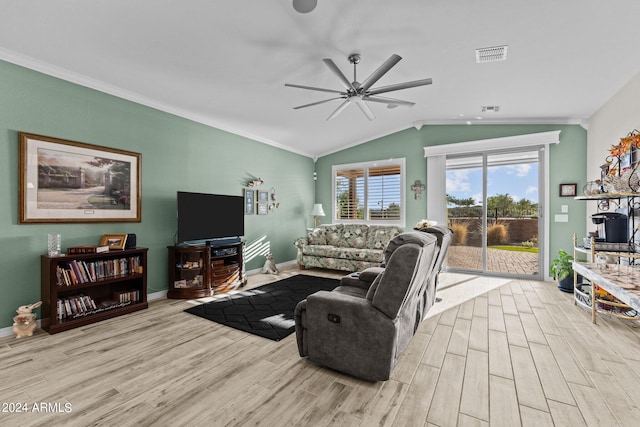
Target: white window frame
[(366, 165)]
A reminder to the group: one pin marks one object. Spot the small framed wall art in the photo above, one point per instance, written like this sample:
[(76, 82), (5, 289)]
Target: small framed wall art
[(249, 201), (263, 208), (568, 190)]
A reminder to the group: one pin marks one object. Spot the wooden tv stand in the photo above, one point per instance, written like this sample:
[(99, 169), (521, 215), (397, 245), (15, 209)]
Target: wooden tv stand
[(204, 270)]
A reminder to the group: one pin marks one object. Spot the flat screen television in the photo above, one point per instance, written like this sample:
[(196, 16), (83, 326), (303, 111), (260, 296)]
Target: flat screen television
[(204, 216)]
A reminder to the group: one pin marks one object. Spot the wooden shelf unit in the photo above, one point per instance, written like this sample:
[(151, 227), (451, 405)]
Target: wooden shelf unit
[(129, 279), (204, 270)]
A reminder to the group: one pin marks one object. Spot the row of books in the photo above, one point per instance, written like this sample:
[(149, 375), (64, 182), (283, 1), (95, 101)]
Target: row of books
[(68, 307), (82, 305), (79, 272), (132, 295)]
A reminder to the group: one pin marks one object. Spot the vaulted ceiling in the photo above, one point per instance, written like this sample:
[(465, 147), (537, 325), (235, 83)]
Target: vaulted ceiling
[(225, 62)]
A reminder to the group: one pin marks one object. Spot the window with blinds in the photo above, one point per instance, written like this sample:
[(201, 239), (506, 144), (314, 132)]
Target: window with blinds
[(370, 192)]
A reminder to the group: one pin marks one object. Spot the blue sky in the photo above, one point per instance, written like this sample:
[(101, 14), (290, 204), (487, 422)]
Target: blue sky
[(519, 181)]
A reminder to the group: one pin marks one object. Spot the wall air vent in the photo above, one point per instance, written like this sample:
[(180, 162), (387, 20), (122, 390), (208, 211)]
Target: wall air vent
[(491, 54), (490, 108)]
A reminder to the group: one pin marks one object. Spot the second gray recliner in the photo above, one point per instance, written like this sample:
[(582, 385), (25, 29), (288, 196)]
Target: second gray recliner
[(363, 332)]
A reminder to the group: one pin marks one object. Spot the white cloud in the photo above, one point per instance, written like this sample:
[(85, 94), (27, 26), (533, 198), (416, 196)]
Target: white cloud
[(478, 198), (519, 170), (458, 180), (523, 170), (531, 190)]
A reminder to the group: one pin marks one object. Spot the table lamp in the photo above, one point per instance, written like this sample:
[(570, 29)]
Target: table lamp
[(316, 212)]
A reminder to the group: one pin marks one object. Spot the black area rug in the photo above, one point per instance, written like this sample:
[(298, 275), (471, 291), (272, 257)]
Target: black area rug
[(266, 311)]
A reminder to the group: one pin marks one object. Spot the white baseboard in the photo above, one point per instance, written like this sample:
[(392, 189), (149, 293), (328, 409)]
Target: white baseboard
[(157, 295)]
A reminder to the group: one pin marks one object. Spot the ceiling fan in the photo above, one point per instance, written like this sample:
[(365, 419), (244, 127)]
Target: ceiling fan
[(361, 93)]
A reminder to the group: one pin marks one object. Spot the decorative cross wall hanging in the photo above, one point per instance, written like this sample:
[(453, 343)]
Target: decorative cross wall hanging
[(417, 188)]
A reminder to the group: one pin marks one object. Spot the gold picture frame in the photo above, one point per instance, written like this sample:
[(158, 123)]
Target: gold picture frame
[(114, 241), (68, 182)]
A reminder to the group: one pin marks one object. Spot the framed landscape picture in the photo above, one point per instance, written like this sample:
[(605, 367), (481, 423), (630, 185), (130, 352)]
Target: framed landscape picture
[(67, 181)]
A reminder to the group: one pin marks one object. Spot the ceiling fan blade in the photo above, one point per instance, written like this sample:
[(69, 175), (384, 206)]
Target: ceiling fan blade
[(338, 110), (333, 67), (389, 101), (315, 88), (316, 103), (399, 86), (381, 71), (365, 109)]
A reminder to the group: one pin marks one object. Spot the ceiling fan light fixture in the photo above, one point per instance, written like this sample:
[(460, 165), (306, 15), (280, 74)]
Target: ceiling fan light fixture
[(304, 6)]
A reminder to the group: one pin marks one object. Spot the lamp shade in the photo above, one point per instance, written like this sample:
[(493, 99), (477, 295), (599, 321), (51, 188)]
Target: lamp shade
[(317, 210)]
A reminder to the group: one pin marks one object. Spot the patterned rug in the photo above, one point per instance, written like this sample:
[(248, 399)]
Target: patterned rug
[(266, 311)]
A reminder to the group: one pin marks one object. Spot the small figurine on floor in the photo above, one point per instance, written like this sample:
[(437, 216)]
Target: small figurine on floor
[(269, 265), (25, 322)]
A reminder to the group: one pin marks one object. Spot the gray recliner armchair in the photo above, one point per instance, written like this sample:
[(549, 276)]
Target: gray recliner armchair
[(365, 278), (364, 331)]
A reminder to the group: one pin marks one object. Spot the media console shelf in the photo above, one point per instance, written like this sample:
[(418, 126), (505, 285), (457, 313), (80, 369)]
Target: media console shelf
[(78, 290), (204, 270)]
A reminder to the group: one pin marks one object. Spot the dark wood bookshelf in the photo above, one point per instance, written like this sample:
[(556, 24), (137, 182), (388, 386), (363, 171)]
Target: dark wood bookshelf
[(100, 290)]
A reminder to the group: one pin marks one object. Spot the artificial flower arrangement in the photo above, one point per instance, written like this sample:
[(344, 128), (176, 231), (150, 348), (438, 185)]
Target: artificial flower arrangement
[(618, 174), (624, 147), (425, 223)]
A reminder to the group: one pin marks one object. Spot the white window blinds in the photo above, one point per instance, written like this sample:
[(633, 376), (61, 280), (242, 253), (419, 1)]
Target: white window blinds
[(370, 192)]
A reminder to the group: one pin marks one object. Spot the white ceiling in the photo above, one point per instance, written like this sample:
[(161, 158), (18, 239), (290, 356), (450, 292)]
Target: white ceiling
[(225, 62)]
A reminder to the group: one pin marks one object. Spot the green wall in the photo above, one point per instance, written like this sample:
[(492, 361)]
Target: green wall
[(567, 165), (177, 154)]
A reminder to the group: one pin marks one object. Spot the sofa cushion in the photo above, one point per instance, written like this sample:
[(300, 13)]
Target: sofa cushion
[(328, 251), (332, 233), (380, 235), (354, 236), (317, 236)]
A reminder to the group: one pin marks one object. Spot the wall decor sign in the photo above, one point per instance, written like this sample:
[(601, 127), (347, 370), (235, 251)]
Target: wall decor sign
[(263, 209), (67, 181)]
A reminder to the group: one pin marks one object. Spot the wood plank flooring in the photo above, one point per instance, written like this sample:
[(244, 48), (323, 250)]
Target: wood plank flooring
[(518, 354)]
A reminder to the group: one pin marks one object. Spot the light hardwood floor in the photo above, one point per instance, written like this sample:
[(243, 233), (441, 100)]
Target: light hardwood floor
[(519, 354)]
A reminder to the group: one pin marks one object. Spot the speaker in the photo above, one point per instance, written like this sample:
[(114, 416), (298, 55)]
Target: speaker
[(131, 241)]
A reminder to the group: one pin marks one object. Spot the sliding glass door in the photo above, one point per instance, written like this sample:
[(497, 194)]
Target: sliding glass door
[(493, 206)]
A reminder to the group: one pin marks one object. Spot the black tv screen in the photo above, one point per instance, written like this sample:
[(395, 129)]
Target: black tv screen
[(204, 216)]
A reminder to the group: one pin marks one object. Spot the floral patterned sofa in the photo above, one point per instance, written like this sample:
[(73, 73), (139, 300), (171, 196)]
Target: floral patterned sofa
[(348, 247)]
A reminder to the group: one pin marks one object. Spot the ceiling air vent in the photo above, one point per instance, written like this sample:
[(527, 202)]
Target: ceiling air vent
[(491, 54), (490, 108)]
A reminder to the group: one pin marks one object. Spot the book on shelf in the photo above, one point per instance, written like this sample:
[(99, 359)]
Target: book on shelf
[(87, 249)]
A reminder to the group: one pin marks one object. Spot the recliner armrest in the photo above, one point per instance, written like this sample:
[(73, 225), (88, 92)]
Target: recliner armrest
[(370, 274)]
